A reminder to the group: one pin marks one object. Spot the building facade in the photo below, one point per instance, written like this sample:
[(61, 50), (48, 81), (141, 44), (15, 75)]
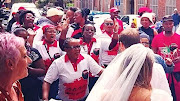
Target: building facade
[(159, 7), (99, 5)]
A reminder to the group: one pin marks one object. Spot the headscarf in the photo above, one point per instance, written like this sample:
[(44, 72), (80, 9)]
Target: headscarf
[(45, 27)]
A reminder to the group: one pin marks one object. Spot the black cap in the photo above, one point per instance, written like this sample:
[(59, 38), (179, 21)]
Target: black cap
[(167, 18)]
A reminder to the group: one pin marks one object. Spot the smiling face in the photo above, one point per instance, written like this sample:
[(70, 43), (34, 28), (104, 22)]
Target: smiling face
[(89, 31), (50, 34), (145, 22), (21, 69), (114, 14), (78, 17), (29, 20)]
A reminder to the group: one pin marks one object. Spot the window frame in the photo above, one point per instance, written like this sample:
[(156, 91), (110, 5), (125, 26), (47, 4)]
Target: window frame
[(170, 6)]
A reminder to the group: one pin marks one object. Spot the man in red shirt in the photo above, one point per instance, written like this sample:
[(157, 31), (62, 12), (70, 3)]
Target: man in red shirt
[(167, 45)]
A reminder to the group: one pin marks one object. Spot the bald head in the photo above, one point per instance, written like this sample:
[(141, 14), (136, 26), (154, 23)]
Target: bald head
[(108, 25), (108, 19)]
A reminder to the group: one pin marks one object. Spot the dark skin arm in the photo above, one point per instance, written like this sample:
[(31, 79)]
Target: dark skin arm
[(45, 90), (40, 71), (114, 38), (65, 27)]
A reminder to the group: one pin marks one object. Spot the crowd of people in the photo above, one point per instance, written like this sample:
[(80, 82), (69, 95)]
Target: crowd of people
[(59, 57)]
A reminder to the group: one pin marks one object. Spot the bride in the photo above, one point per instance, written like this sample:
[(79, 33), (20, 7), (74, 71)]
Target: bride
[(127, 78)]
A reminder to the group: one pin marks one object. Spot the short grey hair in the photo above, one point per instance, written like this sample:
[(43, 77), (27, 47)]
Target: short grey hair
[(9, 45)]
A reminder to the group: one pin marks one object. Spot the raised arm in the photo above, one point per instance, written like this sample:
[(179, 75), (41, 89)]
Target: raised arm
[(114, 38), (65, 27)]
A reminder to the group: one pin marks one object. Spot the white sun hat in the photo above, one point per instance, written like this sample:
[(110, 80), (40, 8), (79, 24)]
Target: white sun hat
[(149, 16), (54, 11)]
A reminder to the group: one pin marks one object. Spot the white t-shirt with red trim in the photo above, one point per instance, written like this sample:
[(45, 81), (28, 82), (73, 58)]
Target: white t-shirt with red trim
[(95, 44), (52, 49), (73, 80), (106, 55)]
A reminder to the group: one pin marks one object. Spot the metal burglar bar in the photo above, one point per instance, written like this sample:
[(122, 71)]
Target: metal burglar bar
[(140, 3), (87, 4), (170, 6), (154, 6)]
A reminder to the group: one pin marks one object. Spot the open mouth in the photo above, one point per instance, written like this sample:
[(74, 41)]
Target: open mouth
[(52, 37), (90, 33)]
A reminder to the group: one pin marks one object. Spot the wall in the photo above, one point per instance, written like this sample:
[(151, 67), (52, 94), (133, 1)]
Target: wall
[(161, 9)]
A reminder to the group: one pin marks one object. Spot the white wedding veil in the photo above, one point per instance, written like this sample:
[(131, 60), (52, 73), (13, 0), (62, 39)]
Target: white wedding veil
[(118, 79)]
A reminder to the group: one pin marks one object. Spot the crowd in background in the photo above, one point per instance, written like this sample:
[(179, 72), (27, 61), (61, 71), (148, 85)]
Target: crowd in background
[(64, 57)]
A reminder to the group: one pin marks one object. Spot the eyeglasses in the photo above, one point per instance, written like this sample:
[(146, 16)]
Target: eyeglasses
[(30, 17), (107, 24), (145, 43), (74, 47), (51, 32)]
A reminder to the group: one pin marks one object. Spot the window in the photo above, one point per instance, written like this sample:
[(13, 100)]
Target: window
[(140, 4), (154, 6), (121, 7), (170, 6), (87, 4)]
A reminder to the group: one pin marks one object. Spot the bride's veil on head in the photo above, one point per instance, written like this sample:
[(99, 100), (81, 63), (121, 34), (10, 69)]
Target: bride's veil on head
[(118, 79)]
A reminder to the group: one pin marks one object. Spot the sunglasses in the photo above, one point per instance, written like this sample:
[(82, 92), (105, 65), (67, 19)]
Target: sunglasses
[(107, 24)]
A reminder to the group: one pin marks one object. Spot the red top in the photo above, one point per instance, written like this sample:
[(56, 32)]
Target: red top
[(4, 95), (35, 27), (48, 61), (168, 47)]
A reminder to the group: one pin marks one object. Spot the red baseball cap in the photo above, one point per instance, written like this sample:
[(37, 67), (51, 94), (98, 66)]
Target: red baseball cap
[(21, 8), (144, 9), (114, 9), (13, 13)]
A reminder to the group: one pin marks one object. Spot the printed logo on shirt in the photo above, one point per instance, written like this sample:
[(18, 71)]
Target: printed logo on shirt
[(77, 89), (85, 74), (171, 52)]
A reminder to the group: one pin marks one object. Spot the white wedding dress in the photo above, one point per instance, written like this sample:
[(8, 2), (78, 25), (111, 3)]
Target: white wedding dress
[(117, 80)]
